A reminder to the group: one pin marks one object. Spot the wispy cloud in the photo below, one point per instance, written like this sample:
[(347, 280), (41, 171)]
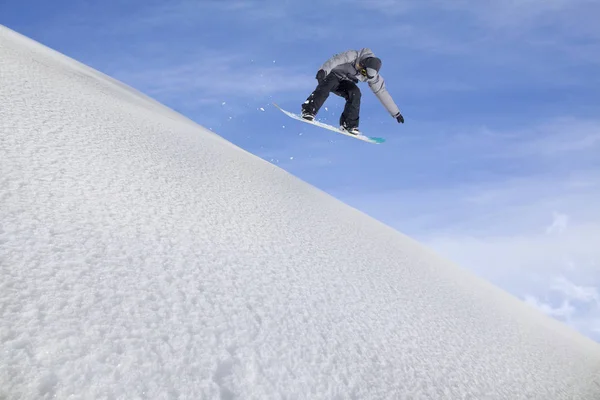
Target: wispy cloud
[(218, 76), (158, 17), (564, 147), (555, 269), (565, 310), (559, 137), (576, 304), (198, 55), (516, 18), (509, 17), (532, 40), (572, 291)]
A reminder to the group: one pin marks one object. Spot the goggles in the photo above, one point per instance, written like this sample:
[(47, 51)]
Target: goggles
[(368, 72)]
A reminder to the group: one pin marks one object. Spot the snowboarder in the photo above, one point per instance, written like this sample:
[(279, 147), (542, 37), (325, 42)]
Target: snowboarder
[(339, 75)]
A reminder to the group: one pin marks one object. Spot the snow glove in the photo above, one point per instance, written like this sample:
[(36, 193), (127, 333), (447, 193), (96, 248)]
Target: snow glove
[(399, 118), (321, 76)]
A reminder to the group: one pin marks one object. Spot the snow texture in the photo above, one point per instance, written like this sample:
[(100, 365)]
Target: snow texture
[(144, 257)]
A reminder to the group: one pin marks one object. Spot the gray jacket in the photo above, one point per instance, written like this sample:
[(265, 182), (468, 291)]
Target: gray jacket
[(345, 66)]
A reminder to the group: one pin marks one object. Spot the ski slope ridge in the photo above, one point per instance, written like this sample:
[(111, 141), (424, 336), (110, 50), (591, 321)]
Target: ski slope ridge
[(143, 256)]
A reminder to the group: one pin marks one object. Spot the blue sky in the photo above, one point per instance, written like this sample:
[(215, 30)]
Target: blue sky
[(497, 164)]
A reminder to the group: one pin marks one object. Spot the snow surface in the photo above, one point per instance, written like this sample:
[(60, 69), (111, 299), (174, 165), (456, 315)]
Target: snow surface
[(143, 256)]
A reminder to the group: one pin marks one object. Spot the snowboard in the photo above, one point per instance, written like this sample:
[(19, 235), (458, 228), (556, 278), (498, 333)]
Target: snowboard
[(368, 139)]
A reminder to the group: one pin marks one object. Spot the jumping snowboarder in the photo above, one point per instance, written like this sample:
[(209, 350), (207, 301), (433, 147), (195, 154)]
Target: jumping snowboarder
[(339, 75)]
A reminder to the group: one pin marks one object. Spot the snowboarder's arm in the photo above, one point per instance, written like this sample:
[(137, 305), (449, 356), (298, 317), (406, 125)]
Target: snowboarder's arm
[(377, 85), (339, 59)]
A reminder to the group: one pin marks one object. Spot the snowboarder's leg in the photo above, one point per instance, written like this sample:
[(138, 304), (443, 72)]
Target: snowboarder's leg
[(350, 117), (317, 98)]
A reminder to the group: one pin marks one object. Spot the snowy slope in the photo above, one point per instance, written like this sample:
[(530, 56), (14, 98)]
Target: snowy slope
[(143, 256)]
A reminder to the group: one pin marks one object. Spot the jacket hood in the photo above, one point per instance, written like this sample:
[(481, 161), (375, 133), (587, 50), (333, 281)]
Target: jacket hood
[(365, 53)]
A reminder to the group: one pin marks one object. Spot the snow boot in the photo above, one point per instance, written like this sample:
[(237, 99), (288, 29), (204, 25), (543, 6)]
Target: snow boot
[(352, 131), (308, 115)]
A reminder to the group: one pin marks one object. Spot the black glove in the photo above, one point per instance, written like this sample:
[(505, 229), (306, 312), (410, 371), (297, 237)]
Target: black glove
[(321, 76), (399, 118)]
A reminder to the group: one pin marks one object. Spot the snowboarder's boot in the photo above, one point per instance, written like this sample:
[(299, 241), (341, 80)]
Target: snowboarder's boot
[(308, 115), (353, 131)]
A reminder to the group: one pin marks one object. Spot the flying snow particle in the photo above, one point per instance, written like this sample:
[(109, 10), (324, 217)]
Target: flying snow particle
[(261, 109), (291, 158), (223, 103)]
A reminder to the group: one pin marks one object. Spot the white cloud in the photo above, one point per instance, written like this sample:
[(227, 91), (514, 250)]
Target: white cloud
[(559, 224), (565, 310), (580, 305), (558, 272), (570, 290)]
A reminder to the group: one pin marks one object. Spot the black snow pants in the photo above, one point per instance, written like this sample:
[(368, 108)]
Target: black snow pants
[(343, 88)]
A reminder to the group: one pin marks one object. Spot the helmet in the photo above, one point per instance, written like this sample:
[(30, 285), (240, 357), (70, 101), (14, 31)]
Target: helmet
[(370, 66)]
